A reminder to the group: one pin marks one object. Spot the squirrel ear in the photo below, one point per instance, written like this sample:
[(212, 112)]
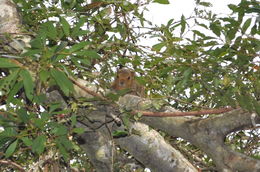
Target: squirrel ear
[(120, 66)]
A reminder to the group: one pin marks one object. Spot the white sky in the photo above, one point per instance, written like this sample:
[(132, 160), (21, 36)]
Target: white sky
[(161, 14)]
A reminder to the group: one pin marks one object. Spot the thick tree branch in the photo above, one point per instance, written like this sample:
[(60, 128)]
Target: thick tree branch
[(10, 20), (234, 120), (150, 148), (208, 134)]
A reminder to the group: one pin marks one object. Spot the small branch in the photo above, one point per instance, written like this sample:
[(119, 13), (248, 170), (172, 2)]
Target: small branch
[(190, 113), (20, 33), (188, 103), (95, 5), (13, 164), (87, 90)]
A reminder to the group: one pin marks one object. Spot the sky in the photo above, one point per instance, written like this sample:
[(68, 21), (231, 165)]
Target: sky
[(161, 14)]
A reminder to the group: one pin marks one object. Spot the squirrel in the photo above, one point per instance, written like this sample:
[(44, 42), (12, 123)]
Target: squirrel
[(125, 79)]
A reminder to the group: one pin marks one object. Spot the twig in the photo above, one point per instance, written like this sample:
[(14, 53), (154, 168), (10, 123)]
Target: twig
[(87, 90), (13, 164)]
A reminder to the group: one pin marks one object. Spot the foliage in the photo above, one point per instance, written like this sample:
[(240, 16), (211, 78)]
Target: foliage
[(204, 59)]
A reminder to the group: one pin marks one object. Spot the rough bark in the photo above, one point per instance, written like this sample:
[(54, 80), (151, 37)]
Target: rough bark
[(9, 17), (10, 23), (150, 148), (208, 134)]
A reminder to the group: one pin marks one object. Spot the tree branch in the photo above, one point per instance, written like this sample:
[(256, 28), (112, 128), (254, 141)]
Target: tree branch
[(150, 148), (13, 164), (84, 88), (190, 113)]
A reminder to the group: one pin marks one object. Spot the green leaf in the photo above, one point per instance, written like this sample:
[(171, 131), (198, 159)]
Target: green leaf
[(56, 56), (92, 54), (28, 142), (246, 25), (39, 144), (14, 90), (126, 120), (216, 28), (78, 46), (257, 107), (28, 83), (79, 61), (39, 123), (8, 132), (161, 1), (76, 29), (201, 24), (73, 119), (63, 151), (22, 113), (8, 82), (31, 52), (44, 75), (78, 130), (64, 145), (199, 33), (65, 142), (183, 24), (169, 22), (233, 7), (245, 102), (205, 4), (62, 45), (50, 30), (10, 150), (231, 33), (40, 99), (45, 116), (119, 133), (65, 26), (62, 81), (54, 106), (139, 114), (254, 30), (4, 141), (158, 47), (6, 63), (112, 96), (59, 131), (187, 73), (38, 43)]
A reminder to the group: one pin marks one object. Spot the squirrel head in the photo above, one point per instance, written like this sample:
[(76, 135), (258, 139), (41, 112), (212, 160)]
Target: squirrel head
[(125, 78)]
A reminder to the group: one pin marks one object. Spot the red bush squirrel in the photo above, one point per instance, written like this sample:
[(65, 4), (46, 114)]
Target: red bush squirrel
[(125, 79)]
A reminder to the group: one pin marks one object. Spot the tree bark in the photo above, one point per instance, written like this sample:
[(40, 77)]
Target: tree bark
[(208, 134)]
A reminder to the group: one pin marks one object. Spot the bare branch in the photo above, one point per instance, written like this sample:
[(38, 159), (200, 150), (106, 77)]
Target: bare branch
[(190, 113), (84, 88), (13, 164)]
